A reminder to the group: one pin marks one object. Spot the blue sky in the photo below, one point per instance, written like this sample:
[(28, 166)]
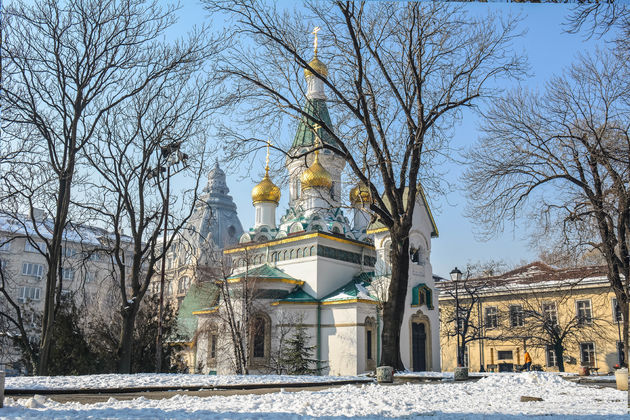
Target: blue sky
[(548, 49)]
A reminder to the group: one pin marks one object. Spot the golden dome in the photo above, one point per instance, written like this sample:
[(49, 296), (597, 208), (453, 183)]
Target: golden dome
[(316, 176), (360, 194), (317, 66), (266, 191)]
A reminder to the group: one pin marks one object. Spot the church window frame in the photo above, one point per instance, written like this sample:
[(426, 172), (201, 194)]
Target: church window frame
[(260, 336)]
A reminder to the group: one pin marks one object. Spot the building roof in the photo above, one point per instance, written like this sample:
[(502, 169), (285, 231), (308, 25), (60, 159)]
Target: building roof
[(298, 295), (265, 272), (200, 296), (535, 275), (354, 290), (379, 226), (304, 137)]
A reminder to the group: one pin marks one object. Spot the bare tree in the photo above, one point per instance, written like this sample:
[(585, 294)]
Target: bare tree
[(400, 75), (460, 314), (65, 66), (135, 152), (563, 159)]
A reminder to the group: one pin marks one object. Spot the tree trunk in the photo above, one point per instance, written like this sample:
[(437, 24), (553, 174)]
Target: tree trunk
[(559, 350), (54, 253), (125, 344), (394, 307)]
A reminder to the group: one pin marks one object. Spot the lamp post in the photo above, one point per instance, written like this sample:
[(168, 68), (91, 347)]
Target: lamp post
[(169, 156), (456, 276)]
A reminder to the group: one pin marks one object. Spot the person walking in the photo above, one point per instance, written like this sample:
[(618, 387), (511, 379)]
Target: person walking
[(528, 361)]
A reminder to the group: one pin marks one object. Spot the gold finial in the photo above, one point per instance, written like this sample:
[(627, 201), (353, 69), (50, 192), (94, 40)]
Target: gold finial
[(317, 143), (267, 158), (315, 30)]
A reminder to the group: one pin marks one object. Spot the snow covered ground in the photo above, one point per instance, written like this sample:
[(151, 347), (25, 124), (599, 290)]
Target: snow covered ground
[(114, 381), (496, 397)]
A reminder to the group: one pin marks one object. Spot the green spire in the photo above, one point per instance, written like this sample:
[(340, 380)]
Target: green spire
[(305, 137)]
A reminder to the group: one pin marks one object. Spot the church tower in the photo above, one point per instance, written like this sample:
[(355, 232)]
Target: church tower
[(214, 220), (316, 125)]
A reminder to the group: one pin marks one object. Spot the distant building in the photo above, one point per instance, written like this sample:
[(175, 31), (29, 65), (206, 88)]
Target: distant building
[(518, 311), (86, 272)]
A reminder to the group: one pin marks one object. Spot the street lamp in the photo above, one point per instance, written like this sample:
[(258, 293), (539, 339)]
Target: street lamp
[(170, 155), (456, 276)]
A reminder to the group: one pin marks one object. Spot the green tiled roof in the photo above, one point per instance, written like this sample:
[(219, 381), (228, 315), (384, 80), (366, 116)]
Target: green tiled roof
[(199, 296), (264, 271), (355, 289), (305, 136), (298, 296)]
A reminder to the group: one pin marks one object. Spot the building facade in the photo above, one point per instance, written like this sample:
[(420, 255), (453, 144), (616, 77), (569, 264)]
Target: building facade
[(85, 265), (538, 309)]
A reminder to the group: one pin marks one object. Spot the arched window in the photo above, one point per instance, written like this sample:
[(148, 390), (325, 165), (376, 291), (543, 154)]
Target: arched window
[(183, 284), (312, 251), (284, 255), (299, 253), (260, 336), (291, 255)]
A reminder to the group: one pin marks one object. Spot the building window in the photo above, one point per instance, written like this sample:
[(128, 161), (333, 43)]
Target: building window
[(616, 311), (505, 355), (492, 317), (550, 312), (466, 356), (28, 293), (5, 245), (516, 316), (584, 312), (32, 269), (90, 276), (552, 360), (67, 274), (183, 284), (38, 247), (68, 252), (213, 346), (369, 344), (169, 289), (587, 354), (259, 336)]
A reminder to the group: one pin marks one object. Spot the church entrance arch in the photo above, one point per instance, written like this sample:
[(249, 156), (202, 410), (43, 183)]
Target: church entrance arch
[(420, 343)]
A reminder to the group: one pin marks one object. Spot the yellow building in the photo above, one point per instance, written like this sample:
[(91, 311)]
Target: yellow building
[(534, 308)]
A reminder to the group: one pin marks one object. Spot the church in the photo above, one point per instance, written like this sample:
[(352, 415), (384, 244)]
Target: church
[(321, 265)]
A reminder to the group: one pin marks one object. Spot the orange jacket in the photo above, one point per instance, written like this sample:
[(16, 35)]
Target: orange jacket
[(528, 358)]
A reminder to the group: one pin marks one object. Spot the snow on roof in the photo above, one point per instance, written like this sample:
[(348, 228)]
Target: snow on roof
[(535, 275), (22, 225)]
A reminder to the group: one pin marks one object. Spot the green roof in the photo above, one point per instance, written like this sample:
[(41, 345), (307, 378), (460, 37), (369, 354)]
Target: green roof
[(199, 296), (355, 289), (265, 272), (298, 295), (305, 137)]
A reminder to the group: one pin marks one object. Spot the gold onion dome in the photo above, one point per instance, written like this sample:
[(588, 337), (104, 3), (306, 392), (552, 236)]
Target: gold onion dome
[(266, 191), (360, 194), (316, 176), (318, 66)]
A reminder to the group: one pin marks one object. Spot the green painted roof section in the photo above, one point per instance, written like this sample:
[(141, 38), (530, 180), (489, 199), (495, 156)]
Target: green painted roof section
[(305, 137), (434, 234), (199, 296), (264, 271), (298, 295), (355, 289)]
